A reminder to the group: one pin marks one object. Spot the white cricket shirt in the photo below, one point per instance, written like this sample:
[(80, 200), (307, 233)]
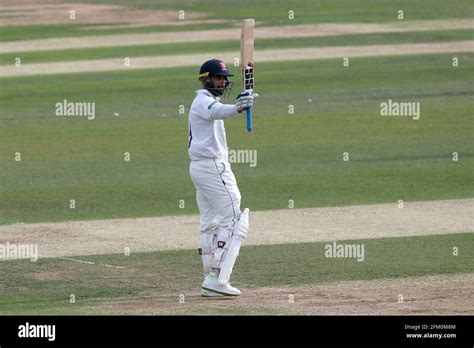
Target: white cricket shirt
[(207, 137)]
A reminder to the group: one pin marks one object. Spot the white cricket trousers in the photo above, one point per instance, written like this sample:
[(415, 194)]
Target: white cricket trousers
[(218, 199), (217, 194)]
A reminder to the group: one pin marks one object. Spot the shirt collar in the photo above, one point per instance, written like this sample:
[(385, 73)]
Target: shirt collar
[(206, 92)]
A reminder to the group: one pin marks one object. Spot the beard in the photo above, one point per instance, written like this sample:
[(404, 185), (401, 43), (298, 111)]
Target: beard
[(217, 90)]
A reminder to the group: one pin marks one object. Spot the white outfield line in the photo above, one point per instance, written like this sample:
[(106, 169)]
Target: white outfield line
[(83, 261), (273, 55), (286, 226)]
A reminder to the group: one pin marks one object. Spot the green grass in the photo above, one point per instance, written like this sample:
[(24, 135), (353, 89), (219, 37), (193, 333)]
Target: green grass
[(300, 154), (275, 12), (233, 45), (164, 275), (266, 13), (31, 32)]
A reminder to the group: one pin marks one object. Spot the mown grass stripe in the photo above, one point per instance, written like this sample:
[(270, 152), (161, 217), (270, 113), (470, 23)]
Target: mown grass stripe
[(233, 45)]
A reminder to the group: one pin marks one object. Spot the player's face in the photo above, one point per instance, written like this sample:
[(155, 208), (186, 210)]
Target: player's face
[(219, 82)]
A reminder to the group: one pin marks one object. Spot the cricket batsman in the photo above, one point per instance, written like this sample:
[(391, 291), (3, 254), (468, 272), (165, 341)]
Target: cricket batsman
[(223, 227)]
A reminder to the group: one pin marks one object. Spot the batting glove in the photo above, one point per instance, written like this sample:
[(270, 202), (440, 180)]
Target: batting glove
[(245, 100)]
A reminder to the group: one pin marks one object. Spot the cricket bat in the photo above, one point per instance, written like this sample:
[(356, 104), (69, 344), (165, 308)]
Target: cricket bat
[(246, 61)]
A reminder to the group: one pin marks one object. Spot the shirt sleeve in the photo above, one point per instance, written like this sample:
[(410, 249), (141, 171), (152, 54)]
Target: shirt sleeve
[(214, 110)]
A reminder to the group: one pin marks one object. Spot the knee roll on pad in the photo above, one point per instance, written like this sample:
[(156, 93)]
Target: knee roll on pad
[(207, 239), (209, 226), (207, 243), (241, 227)]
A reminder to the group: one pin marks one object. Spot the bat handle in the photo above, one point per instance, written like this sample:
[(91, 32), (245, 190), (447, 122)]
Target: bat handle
[(249, 119)]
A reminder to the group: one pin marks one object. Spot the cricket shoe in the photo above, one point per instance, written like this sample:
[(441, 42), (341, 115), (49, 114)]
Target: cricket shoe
[(207, 293), (211, 284)]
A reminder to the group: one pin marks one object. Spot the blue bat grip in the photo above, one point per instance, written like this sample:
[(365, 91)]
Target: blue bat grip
[(249, 119)]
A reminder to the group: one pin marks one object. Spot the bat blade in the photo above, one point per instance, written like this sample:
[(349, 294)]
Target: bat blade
[(247, 62), (247, 42)]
